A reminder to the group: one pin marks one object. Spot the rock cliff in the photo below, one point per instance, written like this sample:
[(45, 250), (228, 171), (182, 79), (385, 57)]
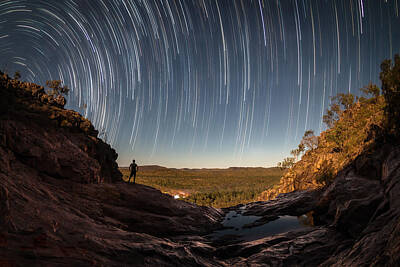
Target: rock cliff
[(356, 220), (354, 132), (38, 131), (63, 201)]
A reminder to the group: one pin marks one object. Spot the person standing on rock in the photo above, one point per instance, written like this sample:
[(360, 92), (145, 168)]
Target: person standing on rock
[(133, 168)]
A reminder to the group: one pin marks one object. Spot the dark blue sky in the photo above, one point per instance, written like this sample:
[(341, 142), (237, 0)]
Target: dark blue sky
[(201, 83)]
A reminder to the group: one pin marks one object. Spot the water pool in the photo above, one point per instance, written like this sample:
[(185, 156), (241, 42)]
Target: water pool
[(237, 222)]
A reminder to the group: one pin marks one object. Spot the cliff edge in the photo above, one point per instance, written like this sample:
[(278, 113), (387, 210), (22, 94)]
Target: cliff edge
[(63, 201)]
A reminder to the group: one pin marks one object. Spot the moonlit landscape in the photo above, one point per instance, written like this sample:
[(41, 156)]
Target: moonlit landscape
[(200, 83), (207, 133)]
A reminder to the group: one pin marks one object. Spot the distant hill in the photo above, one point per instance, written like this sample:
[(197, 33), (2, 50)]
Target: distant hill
[(152, 168), (147, 168)]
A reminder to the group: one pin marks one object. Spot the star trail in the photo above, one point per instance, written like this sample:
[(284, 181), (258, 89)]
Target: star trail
[(200, 83)]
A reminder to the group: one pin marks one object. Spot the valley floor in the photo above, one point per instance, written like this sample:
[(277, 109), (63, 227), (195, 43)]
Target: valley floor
[(219, 188)]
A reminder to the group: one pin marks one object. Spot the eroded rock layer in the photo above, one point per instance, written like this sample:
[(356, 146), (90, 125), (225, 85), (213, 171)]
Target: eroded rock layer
[(356, 220)]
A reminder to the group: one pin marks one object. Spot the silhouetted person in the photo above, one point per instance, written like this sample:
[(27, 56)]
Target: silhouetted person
[(133, 168)]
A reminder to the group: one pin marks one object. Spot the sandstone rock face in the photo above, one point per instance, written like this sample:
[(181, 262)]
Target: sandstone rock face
[(63, 202), (52, 140), (356, 222), (59, 222), (357, 128)]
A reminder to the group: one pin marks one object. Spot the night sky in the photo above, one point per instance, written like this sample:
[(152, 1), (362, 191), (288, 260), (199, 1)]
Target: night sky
[(200, 83)]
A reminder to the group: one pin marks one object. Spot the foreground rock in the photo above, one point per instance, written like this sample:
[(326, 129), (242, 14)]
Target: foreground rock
[(50, 221), (57, 223), (356, 218)]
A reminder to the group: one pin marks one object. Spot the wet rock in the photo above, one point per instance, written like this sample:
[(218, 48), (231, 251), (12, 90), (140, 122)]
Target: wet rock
[(308, 247), (358, 223)]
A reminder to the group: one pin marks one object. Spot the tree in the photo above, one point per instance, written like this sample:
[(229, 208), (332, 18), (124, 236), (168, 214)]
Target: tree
[(390, 77), (371, 90), (338, 137), (344, 100), (297, 152), (340, 103), (309, 140), (287, 163), (57, 88), (17, 75)]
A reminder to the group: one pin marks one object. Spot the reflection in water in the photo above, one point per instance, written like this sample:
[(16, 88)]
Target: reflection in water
[(236, 221)]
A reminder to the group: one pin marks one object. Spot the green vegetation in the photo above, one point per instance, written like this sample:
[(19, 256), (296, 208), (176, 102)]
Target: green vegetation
[(308, 142), (210, 187), (325, 174), (355, 125), (17, 96), (17, 75), (351, 121), (56, 89), (287, 163), (390, 77)]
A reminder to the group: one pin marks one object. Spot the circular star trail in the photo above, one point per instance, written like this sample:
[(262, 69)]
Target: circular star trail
[(202, 83)]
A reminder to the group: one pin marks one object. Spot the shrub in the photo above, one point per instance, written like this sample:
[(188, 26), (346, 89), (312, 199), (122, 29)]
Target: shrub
[(57, 88), (287, 163)]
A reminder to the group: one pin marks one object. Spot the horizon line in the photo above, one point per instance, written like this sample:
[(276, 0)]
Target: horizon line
[(197, 168)]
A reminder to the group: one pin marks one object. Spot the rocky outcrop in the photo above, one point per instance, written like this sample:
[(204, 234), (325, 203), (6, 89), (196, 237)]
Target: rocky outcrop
[(356, 129), (356, 221), (63, 202), (43, 135), (57, 222), (371, 216)]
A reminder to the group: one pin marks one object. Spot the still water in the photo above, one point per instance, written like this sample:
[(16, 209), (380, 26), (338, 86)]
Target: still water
[(237, 221)]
